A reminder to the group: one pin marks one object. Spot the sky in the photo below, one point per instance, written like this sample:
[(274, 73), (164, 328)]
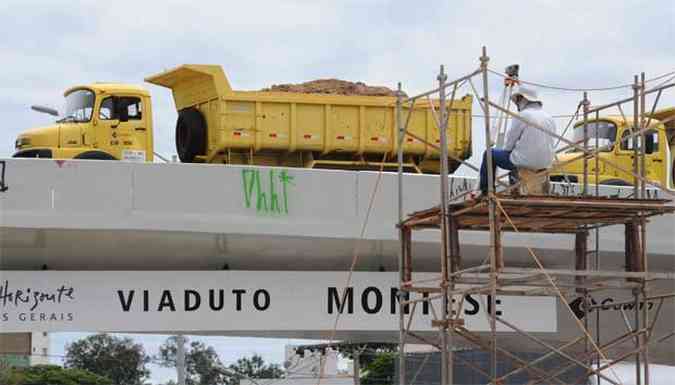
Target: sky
[(577, 44), (48, 46)]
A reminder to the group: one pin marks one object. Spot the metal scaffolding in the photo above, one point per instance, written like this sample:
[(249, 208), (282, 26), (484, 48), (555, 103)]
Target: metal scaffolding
[(502, 211)]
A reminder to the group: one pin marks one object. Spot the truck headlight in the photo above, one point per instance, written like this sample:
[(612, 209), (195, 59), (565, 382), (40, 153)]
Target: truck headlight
[(20, 142)]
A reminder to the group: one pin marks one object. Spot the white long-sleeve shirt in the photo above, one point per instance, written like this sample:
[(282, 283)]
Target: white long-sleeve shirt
[(531, 148)]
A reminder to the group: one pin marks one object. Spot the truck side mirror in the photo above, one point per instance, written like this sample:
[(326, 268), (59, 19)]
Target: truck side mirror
[(45, 110)]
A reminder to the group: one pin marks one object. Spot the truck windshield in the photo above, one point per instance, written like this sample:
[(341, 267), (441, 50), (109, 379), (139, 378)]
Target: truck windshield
[(606, 132), (79, 106)]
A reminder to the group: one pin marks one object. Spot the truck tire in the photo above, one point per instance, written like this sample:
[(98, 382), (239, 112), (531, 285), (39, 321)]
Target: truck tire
[(96, 155), (40, 153), (190, 134)]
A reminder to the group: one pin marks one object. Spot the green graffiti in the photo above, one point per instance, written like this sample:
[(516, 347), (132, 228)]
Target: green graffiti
[(270, 195)]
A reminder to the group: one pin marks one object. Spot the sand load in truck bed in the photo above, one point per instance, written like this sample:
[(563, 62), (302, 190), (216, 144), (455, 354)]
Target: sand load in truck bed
[(332, 87), (319, 124)]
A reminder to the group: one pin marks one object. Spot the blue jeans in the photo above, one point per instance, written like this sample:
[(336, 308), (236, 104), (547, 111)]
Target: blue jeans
[(500, 158)]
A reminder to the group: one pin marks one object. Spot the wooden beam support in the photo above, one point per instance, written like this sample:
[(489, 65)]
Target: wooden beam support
[(420, 289), (634, 262), (407, 254), (447, 323), (453, 235), (580, 260)]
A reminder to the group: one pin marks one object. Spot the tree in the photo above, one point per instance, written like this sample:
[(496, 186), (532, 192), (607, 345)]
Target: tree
[(380, 370), (253, 367), (202, 365), (7, 373), (52, 374), (116, 358)]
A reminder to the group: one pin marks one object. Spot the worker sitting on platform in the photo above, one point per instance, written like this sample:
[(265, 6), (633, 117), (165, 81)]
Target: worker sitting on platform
[(526, 147)]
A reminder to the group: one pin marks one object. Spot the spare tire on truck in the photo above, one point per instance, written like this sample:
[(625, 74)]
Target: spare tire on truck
[(190, 134)]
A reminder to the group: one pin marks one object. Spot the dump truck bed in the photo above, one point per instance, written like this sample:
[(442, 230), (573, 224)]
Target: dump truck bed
[(332, 126)]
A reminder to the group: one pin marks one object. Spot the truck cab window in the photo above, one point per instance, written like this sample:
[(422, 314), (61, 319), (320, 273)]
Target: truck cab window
[(106, 110), (79, 106), (626, 142), (651, 142), (122, 108), (605, 132), (134, 110), (129, 108)]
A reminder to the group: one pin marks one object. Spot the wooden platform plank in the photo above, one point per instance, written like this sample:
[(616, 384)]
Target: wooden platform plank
[(545, 214)]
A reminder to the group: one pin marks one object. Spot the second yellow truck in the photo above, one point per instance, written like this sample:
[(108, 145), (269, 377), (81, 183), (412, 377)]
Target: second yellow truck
[(614, 143)]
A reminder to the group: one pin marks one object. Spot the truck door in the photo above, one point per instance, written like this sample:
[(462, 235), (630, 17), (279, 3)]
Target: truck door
[(625, 155), (654, 155), (122, 127), (666, 144), (138, 114)]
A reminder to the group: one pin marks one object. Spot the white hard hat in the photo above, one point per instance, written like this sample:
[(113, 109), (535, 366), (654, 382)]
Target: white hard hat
[(527, 93)]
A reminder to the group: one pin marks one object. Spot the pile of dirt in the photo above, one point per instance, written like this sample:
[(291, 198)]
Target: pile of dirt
[(332, 87)]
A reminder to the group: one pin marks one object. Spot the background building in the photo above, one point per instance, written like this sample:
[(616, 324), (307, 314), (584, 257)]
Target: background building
[(24, 349)]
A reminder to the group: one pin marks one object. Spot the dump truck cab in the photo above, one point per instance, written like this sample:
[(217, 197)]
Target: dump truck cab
[(104, 121), (614, 144)]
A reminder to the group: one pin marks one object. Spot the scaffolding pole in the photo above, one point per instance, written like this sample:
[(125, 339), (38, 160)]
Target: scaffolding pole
[(643, 227), (596, 242), (585, 104), (636, 124), (495, 249), (446, 354), (401, 273)]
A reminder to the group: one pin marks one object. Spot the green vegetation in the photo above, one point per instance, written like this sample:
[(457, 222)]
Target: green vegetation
[(380, 370), (253, 367), (50, 375), (116, 358)]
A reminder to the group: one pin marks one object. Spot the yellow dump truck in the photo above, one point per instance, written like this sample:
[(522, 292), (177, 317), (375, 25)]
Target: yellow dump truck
[(219, 125), (612, 133)]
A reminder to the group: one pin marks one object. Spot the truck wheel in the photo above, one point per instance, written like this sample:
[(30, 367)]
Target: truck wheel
[(45, 153), (190, 134), (97, 155)]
